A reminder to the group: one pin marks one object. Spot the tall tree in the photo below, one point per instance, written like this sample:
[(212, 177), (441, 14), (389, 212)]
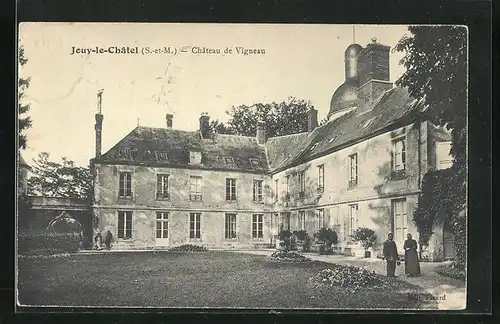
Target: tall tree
[(436, 69), (24, 121), (283, 118), (63, 179)]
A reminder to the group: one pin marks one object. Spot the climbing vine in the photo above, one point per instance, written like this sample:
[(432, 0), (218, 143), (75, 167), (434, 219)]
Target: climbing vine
[(443, 193)]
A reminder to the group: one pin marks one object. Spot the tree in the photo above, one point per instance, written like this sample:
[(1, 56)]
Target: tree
[(436, 62), (436, 69), (24, 121), (64, 179), (366, 236), (218, 127), (283, 118)]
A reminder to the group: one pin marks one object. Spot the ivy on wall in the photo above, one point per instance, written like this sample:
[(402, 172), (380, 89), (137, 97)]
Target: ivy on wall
[(443, 198)]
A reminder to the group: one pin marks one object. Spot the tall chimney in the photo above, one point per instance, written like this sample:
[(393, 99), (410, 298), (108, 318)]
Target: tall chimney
[(261, 132), (205, 125), (98, 124), (170, 122), (373, 74), (312, 122)]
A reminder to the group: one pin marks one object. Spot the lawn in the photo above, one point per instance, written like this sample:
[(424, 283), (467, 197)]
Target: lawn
[(207, 279)]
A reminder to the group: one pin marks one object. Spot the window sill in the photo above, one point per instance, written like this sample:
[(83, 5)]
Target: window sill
[(258, 239), (231, 239), (125, 198), (195, 240), (163, 199)]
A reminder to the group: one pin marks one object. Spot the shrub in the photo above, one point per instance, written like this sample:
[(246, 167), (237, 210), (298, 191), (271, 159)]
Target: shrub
[(48, 242), (289, 256), (327, 237), (188, 248), (285, 237), (348, 276), (365, 236), (451, 271)]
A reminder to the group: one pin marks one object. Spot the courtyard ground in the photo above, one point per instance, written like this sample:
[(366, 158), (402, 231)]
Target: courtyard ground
[(449, 293), (206, 279)]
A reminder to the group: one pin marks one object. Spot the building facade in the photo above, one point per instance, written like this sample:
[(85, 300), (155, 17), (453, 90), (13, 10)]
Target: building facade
[(362, 168)]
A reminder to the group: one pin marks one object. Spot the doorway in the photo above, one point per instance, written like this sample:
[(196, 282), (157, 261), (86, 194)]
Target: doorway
[(448, 241)]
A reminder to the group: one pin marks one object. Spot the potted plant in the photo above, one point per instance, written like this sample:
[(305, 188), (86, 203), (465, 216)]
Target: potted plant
[(326, 237), (302, 239), (366, 237)]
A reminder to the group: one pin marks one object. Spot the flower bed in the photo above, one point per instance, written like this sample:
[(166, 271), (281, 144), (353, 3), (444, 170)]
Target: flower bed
[(188, 248), (449, 271), (348, 276), (289, 256)]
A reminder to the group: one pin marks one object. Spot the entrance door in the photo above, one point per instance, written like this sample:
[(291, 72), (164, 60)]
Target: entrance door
[(448, 241), (161, 229)]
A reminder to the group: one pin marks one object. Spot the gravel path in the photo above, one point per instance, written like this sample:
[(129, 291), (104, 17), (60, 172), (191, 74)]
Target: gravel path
[(450, 294)]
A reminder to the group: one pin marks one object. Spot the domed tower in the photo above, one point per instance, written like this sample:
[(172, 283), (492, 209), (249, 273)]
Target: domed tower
[(346, 95)]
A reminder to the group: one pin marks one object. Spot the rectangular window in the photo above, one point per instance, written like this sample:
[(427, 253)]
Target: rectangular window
[(353, 170), (399, 154), (320, 218), (257, 226), (125, 186), (161, 225), (302, 184), (257, 190), (400, 219), (321, 178), (353, 218), (162, 186), (195, 225), (230, 226), (276, 190), (125, 224), (287, 187), (302, 220), (230, 189), (195, 188)]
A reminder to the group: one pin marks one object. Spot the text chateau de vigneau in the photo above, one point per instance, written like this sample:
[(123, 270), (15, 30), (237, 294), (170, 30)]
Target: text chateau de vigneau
[(146, 50)]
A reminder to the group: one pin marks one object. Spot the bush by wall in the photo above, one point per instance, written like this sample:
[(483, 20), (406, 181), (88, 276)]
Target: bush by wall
[(188, 248), (48, 243), (449, 270)]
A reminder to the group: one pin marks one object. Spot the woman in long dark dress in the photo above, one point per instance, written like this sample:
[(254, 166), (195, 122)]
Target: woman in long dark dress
[(412, 265)]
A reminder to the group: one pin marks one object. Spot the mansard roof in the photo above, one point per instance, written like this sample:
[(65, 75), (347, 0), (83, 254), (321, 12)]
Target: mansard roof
[(393, 109), (170, 148)]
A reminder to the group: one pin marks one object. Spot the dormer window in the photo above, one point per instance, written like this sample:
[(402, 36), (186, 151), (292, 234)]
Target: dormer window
[(194, 157), (228, 160), (160, 156), (254, 162)]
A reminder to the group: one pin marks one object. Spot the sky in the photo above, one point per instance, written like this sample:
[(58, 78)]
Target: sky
[(303, 61)]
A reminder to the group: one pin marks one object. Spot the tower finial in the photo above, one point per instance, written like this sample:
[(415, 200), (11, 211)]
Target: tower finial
[(99, 100), (354, 34)]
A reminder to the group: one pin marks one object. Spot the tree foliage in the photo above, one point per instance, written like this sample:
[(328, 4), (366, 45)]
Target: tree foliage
[(283, 118), (436, 69), (24, 121), (63, 179), (366, 236)]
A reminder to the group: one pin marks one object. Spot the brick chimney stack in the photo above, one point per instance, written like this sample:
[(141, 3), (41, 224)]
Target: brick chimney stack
[(205, 125), (312, 122), (373, 74), (170, 121), (98, 124), (261, 132)]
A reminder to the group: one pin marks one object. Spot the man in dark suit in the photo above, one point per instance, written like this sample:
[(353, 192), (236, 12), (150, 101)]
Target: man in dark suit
[(391, 256)]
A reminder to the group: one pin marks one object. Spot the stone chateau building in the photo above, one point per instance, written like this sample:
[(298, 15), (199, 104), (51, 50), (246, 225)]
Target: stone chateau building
[(163, 187)]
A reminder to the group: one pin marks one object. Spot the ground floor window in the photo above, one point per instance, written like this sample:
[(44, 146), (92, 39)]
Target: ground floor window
[(195, 225), (352, 221), (124, 224), (302, 220), (400, 219), (161, 225), (320, 218), (257, 226), (230, 226)]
